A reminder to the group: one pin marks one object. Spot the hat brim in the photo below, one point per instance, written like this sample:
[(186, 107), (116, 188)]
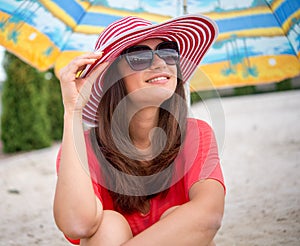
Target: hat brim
[(194, 35)]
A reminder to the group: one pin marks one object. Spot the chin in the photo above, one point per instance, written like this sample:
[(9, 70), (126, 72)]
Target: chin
[(153, 96), (162, 95)]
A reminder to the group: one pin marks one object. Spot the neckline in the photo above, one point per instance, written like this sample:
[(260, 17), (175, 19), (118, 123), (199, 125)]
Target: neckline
[(149, 211)]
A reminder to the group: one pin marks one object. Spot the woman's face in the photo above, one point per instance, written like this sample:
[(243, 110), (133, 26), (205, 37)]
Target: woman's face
[(153, 85)]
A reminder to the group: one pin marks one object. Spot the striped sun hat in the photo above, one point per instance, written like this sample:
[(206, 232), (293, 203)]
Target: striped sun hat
[(194, 35)]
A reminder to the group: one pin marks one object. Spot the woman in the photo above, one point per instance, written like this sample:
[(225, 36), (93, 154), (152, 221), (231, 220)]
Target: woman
[(143, 173)]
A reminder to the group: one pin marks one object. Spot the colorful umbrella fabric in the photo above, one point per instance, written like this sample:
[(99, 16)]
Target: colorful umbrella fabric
[(49, 33), (259, 40)]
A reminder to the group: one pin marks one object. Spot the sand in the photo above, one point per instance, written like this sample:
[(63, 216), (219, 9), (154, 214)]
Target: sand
[(260, 157)]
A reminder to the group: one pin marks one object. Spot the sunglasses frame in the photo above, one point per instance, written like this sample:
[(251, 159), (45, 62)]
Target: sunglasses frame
[(157, 51)]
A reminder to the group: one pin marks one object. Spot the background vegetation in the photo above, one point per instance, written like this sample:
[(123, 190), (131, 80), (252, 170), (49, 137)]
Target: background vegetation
[(31, 107)]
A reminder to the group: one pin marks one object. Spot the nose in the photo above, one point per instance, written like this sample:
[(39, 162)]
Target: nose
[(157, 62)]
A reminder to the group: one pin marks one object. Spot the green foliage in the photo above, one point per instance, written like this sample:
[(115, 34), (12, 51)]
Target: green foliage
[(55, 107), (195, 97), (284, 85), (244, 90), (24, 123), (203, 95)]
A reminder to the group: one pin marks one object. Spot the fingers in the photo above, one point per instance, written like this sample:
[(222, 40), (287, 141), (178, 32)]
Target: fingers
[(76, 90), (71, 71)]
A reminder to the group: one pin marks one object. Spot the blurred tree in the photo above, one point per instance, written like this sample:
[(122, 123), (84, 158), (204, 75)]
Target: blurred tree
[(25, 124), (55, 107), (284, 85)]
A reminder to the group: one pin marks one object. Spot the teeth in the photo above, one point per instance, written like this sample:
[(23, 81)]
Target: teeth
[(156, 79)]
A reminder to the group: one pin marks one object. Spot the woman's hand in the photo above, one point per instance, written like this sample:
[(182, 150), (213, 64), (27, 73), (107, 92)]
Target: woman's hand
[(76, 90)]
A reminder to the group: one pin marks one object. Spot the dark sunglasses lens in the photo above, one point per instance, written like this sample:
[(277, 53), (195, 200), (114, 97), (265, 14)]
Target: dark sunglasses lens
[(169, 52), (170, 56), (139, 57), (139, 60)]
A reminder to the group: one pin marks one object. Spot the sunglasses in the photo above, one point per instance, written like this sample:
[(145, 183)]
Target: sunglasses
[(140, 57)]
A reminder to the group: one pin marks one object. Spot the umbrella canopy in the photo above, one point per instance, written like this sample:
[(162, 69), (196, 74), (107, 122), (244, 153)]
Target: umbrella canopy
[(259, 40), (50, 33)]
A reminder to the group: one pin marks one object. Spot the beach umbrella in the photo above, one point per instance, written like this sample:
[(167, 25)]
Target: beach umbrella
[(259, 40), (49, 33)]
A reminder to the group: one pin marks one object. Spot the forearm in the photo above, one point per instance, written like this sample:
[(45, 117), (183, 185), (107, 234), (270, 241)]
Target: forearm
[(77, 211), (193, 223), (181, 227)]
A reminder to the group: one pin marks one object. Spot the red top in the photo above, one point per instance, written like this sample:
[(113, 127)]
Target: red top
[(198, 159)]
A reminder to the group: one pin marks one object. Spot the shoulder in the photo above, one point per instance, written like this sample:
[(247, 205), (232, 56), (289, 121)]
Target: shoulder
[(199, 139), (89, 150), (201, 124), (198, 128)]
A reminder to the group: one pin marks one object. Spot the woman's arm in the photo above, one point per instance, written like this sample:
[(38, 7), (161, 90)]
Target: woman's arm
[(77, 211), (193, 223)]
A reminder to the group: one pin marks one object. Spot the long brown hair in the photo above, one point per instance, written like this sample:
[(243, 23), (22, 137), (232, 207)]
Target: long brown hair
[(119, 162)]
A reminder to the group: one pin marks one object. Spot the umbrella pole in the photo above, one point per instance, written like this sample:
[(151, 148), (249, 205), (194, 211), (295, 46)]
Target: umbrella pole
[(187, 83), (184, 7)]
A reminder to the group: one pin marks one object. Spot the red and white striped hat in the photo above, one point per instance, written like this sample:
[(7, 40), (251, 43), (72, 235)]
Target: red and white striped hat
[(194, 35)]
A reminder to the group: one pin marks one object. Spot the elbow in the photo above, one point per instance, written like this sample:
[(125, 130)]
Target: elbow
[(78, 227), (216, 221), (79, 232), (210, 224)]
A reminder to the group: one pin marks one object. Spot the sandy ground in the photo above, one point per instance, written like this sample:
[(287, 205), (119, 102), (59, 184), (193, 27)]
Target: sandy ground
[(261, 164)]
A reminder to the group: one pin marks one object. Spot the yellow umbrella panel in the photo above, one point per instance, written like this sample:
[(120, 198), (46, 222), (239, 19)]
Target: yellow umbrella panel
[(50, 33)]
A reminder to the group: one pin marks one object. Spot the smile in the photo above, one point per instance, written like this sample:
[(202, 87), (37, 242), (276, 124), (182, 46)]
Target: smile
[(162, 79)]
